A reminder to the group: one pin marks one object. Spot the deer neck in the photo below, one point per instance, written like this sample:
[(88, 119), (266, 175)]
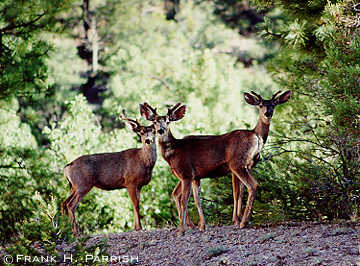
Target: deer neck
[(148, 153), (262, 128), (166, 144)]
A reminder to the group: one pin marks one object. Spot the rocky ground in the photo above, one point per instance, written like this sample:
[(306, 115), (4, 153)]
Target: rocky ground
[(300, 244)]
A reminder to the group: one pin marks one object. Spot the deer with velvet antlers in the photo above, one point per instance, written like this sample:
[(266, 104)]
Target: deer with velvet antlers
[(131, 169), (195, 157)]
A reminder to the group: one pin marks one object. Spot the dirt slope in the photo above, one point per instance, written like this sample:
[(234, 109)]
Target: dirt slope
[(304, 244)]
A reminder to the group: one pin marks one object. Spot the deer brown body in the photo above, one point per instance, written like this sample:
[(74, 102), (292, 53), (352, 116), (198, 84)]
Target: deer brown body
[(195, 157), (196, 154), (131, 169)]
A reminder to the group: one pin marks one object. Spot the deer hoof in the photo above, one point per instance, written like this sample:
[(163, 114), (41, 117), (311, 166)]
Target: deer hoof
[(180, 232), (236, 221), (191, 225)]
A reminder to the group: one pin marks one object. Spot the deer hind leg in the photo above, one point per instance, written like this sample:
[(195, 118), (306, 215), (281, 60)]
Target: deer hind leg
[(241, 195), (72, 206), (177, 197), (248, 180), (238, 192), (134, 193), (64, 204), (185, 194), (196, 193)]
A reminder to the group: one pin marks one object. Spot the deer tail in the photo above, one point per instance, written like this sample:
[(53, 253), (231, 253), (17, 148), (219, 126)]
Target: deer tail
[(67, 173)]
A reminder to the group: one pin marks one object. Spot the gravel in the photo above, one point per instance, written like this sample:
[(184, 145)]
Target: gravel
[(291, 244)]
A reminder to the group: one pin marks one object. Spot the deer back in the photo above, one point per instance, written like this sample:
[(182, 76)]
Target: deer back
[(110, 171)]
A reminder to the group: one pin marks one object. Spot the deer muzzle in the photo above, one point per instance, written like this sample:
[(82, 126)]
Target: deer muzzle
[(161, 131), (268, 114)]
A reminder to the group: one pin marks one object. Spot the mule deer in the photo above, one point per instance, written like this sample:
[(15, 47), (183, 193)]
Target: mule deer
[(129, 169), (196, 157)]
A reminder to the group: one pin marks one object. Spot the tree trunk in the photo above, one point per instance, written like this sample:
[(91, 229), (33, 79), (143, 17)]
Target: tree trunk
[(95, 45)]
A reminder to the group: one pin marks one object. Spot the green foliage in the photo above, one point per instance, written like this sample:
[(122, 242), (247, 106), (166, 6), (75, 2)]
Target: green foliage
[(16, 153), (22, 50), (238, 15), (44, 236), (167, 62), (24, 171), (320, 142)]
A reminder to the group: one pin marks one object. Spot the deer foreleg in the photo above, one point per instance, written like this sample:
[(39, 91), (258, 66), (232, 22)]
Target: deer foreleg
[(134, 194), (236, 194), (185, 193), (196, 193)]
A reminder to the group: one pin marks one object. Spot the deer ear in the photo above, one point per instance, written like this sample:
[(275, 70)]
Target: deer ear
[(250, 99), (132, 125), (146, 112), (177, 114), (283, 98)]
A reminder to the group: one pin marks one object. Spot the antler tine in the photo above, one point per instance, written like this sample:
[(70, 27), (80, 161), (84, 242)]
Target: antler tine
[(123, 116), (173, 108), (257, 95), (275, 95)]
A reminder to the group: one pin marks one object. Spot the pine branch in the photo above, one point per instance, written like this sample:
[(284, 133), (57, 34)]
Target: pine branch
[(25, 24)]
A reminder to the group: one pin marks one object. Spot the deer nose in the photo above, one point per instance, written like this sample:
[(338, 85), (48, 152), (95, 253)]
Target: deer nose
[(147, 141), (161, 131), (268, 114)]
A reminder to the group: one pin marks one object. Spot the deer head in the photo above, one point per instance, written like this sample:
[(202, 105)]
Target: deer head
[(162, 123), (146, 134), (266, 107)]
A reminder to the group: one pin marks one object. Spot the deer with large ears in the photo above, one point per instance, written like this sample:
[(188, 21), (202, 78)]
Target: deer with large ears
[(195, 157), (131, 169)]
